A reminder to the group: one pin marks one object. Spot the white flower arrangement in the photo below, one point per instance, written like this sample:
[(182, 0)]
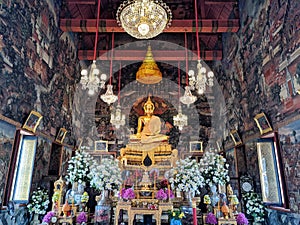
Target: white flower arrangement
[(79, 167), (186, 176), (214, 169), (39, 202), (107, 175), (254, 206)]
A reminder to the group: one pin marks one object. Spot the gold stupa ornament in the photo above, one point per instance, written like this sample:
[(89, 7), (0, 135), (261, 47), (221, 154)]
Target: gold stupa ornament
[(149, 72)]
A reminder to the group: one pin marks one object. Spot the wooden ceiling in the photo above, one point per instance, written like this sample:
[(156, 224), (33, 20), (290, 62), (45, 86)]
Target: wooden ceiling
[(214, 17)]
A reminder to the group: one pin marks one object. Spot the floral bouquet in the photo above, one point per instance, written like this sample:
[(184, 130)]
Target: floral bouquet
[(81, 218), (39, 202), (206, 200), (79, 167), (214, 169), (241, 219), (48, 216), (254, 206), (176, 214), (128, 193), (161, 194), (107, 175), (211, 219), (186, 176)]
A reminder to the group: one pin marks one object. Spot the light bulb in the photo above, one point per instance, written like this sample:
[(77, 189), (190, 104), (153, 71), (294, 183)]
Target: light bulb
[(202, 70), (84, 72), (191, 73), (96, 71), (91, 92), (103, 76), (143, 28), (210, 74)]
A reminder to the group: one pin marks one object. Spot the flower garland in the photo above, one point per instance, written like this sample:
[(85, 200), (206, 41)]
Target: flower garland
[(186, 176), (79, 167), (107, 175), (254, 206), (214, 169), (39, 202)]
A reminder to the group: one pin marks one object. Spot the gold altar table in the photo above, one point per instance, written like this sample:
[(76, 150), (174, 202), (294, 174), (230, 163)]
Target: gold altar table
[(132, 211), (223, 221)]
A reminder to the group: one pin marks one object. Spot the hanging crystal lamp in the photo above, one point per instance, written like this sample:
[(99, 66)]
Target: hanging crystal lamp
[(117, 118), (188, 98), (90, 79), (180, 119), (202, 79), (144, 19), (109, 96)]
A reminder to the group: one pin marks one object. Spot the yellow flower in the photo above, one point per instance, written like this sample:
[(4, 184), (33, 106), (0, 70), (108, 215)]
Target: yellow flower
[(174, 214), (181, 215)]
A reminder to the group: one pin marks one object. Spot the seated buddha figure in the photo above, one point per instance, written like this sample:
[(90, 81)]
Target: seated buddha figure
[(149, 125)]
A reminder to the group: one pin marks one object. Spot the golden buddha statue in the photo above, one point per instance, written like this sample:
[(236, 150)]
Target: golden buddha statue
[(149, 125)]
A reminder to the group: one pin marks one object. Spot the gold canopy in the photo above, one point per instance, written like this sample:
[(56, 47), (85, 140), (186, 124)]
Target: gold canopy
[(149, 72)]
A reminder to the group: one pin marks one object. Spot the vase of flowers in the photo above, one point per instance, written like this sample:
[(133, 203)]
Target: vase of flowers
[(106, 178), (211, 219), (79, 167), (241, 219), (254, 206), (175, 217), (38, 203), (186, 176), (161, 195), (214, 169)]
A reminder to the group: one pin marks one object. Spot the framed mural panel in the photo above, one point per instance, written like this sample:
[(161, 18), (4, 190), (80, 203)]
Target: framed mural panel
[(61, 135), (7, 137), (232, 161), (32, 121), (262, 123), (65, 157), (196, 146), (236, 137), (269, 172), (23, 173), (101, 146)]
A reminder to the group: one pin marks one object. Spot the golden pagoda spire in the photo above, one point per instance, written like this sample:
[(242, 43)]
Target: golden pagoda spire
[(149, 72)]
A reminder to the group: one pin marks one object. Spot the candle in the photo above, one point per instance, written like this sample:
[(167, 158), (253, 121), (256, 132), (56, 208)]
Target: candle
[(169, 191), (194, 213)]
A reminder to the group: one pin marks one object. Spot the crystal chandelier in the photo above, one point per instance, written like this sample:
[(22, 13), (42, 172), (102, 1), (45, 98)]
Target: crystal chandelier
[(117, 118), (188, 98), (109, 96), (202, 78), (144, 19), (90, 78), (180, 120)]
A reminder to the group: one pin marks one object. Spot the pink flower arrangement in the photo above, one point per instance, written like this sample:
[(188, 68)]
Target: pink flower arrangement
[(81, 218), (241, 219), (161, 194), (128, 193), (48, 216), (211, 219)]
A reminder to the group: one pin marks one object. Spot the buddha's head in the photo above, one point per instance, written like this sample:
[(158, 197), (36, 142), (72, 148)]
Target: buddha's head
[(149, 107)]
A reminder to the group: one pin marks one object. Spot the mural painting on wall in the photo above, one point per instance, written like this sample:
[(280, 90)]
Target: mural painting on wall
[(7, 136), (37, 30), (65, 157), (289, 136), (41, 162)]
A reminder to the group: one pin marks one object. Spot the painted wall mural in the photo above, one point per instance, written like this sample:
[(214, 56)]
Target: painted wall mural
[(7, 136)]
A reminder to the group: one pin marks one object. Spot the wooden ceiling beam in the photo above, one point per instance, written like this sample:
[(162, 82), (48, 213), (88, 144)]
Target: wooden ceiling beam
[(177, 26), (212, 2), (81, 2), (158, 55)]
